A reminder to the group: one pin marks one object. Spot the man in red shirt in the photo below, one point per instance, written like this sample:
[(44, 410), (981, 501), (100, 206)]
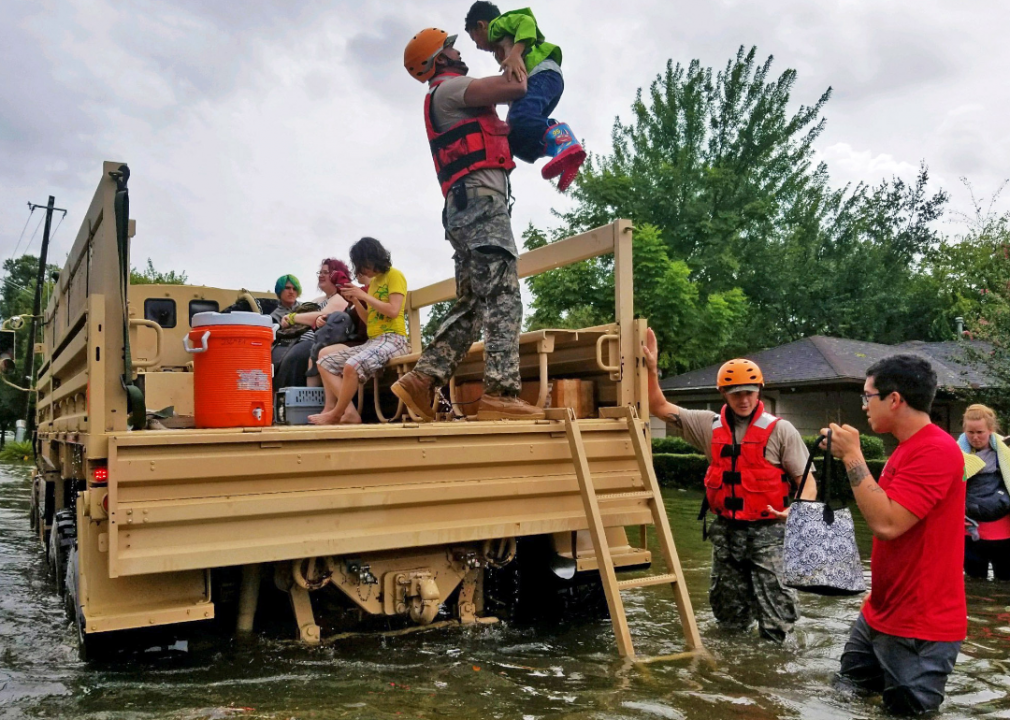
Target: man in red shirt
[(906, 639)]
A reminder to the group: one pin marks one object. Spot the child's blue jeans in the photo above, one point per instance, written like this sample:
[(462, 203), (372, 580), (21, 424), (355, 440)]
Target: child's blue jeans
[(529, 116)]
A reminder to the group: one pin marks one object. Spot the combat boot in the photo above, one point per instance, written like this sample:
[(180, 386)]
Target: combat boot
[(566, 153), (506, 407), (417, 391)]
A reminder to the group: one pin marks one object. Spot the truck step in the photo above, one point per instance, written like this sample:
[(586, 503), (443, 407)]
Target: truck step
[(640, 495), (647, 580)]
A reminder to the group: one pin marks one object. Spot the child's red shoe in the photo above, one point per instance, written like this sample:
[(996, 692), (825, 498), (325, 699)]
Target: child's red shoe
[(566, 154)]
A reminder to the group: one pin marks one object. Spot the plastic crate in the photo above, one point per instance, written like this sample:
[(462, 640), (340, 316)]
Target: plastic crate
[(294, 404)]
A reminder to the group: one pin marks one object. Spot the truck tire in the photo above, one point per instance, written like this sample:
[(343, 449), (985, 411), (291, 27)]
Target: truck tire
[(33, 508), (62, 539)]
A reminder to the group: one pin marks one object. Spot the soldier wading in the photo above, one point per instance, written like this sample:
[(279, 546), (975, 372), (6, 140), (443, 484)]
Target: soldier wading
[(751, 472), (470, 147)]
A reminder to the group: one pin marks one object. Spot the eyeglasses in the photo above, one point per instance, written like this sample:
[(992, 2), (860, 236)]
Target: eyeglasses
[(866, 397)]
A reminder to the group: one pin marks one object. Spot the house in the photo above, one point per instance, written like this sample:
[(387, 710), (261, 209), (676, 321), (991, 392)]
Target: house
[(819, 379)]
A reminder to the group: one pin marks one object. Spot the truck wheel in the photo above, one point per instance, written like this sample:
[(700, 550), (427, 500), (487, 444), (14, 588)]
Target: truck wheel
[(33, 511), (62, 538)]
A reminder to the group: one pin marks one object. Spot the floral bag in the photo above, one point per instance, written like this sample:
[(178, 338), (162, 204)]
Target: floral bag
[(820, 554)]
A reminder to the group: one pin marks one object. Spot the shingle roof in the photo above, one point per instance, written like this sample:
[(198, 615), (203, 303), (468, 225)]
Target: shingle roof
[(820, 359)]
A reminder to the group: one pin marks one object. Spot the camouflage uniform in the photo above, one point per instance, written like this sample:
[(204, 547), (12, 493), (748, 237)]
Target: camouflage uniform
[(746, 577), (487, 296)]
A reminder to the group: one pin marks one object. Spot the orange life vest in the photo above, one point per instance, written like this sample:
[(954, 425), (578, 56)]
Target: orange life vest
[(475, 143), (740, 482)]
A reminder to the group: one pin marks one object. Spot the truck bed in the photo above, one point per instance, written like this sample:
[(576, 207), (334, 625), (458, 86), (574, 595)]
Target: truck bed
[(194, 499)]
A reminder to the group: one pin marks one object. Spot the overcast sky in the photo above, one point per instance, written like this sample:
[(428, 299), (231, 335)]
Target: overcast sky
[(263, 136)]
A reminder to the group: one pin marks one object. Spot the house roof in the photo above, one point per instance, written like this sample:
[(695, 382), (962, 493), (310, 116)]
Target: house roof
[(820, 359)]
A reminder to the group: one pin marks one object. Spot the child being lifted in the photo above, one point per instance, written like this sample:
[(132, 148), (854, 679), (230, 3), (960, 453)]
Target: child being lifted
[(519, 47)]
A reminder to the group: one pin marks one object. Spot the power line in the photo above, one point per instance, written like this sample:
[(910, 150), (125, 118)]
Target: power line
[(31, 212), (34, 234)]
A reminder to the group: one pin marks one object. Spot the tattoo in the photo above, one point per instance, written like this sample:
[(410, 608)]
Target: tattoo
[(674, 419), (858, 471)]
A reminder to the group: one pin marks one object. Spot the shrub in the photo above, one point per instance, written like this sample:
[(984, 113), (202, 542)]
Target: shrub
[(680, 470), (16, 452), (672, 445)]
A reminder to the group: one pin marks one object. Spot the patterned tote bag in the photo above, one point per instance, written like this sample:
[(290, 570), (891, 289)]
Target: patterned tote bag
[(820, 554)]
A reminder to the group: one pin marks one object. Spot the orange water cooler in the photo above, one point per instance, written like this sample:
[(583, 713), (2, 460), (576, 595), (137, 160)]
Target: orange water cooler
[(232, 371)]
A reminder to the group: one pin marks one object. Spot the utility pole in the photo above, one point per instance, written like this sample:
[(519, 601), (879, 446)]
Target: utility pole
[(40, 281)]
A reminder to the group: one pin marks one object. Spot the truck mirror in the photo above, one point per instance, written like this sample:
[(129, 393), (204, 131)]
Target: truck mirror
[(6, 351)]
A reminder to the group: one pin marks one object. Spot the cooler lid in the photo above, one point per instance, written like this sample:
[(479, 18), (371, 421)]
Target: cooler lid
[(232, 318)]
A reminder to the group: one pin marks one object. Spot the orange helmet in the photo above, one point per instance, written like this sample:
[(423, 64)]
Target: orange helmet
[(740, 371), (420, 53)]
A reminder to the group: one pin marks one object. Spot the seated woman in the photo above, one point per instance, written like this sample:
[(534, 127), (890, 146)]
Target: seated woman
[(987, 504), (287, 289), (295, 365), (383, 305)]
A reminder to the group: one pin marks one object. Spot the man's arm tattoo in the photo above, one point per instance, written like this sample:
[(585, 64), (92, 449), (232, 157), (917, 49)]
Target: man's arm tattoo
[(674, 419), (857, 471)]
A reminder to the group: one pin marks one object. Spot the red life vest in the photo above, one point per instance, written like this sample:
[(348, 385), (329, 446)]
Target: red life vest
[(740, 482), (475, 143)]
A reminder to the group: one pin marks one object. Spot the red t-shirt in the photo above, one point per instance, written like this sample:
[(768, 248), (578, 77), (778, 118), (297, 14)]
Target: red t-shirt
[(917, 588), (995, 530)]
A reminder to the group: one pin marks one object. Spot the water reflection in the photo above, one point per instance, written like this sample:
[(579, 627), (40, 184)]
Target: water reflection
[(566, 670)]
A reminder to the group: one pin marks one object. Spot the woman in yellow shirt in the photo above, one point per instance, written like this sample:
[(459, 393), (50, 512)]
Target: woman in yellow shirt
[(383, 306)]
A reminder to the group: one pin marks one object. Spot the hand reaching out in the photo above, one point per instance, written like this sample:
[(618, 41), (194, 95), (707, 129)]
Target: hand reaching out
[(651, 351), (513, 67)]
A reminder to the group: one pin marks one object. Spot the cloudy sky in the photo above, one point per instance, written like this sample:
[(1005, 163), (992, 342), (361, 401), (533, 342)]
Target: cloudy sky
[(263, 136)]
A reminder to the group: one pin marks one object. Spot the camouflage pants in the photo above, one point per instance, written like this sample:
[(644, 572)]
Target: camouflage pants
[(747, 578), (487, 297)]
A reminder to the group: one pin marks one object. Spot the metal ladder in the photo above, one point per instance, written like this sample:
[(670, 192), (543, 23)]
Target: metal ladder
[(611, 585)]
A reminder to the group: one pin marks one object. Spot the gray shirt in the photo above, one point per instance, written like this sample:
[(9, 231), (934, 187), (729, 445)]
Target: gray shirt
[(785, 447), (448, 108)]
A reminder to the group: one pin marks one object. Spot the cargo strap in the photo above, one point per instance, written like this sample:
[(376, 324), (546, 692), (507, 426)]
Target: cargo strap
[(650, 495), (134, 396)]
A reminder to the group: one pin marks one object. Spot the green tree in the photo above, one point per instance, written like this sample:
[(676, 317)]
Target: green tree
[(150, 276), (689, 328), (721, 164), (17, 293)]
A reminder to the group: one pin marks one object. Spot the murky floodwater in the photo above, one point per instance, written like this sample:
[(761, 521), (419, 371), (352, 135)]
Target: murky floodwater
[(559, 671)]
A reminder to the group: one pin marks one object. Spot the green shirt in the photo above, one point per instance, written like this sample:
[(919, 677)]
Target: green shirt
[(521, 26)]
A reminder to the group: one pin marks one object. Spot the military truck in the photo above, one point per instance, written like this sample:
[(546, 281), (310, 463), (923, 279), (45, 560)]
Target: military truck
[(395, 518)]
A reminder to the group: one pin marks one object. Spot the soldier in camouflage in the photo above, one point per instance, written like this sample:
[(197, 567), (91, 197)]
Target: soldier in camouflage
[(459, 117), (487, 293), (755, 459)]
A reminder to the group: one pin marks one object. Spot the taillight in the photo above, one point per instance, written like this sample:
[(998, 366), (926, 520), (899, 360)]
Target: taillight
[(105, 504), (100, 476)]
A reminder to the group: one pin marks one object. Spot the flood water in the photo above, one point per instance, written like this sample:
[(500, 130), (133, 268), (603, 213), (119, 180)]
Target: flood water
[(569, 670)]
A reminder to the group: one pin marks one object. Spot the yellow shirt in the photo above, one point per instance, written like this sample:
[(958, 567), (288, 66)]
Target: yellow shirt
[(381, 287)]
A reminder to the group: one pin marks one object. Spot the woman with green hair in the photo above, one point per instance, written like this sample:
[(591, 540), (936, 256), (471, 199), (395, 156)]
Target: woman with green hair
[(287, 289)]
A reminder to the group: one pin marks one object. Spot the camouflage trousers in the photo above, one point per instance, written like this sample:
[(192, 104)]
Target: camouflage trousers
[(487, 297), (747, 578)]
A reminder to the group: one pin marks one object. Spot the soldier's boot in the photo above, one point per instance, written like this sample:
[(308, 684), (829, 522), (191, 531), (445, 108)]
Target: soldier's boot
[(505, 407), (417, 391)]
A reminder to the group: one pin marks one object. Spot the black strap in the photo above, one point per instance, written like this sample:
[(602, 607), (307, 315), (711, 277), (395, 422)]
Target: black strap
[(824, 486), (461, 163), (453, 134), (136, 405)]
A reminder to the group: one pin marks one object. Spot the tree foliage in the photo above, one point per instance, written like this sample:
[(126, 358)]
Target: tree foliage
[(17, 294), (759, 248), (150, 276)]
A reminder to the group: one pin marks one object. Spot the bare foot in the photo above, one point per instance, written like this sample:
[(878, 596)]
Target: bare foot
[(323, 419), (351, 416)]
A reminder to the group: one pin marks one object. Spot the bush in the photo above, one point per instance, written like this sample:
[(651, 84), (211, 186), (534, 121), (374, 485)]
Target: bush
[(16, 452), (672, 445), (872, 446), (680, 470)]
